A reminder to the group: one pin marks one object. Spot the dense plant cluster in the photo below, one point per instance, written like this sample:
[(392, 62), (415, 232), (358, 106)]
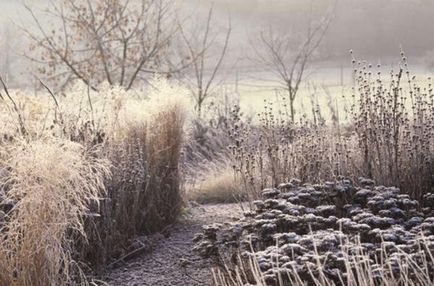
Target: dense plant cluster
[(388, 137), (394, 122), (332, 232), (83, 174)]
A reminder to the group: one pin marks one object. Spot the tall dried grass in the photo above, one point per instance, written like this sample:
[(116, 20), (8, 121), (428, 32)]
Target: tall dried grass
[(50, 183), (56, 177), (143, 141), (215, 185)]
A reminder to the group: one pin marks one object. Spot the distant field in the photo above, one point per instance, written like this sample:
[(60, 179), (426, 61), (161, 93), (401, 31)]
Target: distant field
[(323, 87)]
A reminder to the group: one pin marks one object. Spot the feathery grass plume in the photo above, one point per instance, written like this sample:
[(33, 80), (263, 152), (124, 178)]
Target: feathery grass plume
[(50, 183), (53, 176)]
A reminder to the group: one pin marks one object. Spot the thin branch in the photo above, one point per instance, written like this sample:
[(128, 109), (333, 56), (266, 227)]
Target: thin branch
[(50, 92), (20, 119)]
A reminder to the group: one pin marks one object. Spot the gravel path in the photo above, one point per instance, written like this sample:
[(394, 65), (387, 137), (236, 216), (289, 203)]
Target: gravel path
[(169, 260)]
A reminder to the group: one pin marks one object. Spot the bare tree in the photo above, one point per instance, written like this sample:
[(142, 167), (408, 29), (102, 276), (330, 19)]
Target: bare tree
[(208, 55), (287, 56), (116, 41)]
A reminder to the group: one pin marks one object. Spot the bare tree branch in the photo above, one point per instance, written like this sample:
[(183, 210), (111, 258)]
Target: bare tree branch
[(199, 51), (99, 41)]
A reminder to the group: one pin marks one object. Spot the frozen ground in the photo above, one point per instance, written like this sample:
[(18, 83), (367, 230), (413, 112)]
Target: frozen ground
[(169, 260)]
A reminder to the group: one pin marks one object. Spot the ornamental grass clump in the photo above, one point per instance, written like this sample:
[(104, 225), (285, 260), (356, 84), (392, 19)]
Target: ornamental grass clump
[(143, 138), (82, 174), (48, 184)]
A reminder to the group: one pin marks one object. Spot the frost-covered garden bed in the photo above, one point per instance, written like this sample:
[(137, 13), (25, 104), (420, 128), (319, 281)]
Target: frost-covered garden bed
[(335, 232)]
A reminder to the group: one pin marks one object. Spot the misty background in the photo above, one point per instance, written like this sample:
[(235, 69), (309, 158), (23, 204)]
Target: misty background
[(374, 29)]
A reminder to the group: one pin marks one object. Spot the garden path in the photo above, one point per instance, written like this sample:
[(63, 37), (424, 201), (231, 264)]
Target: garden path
[(170, 260)]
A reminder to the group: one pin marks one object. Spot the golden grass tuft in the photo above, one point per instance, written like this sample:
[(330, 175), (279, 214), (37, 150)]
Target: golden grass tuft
[(50, 182), (217, 185)]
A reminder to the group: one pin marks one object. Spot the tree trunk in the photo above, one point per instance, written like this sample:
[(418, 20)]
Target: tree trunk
[(291, 105)]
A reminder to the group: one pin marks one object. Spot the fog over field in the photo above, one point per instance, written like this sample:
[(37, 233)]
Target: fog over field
[(376, 28)]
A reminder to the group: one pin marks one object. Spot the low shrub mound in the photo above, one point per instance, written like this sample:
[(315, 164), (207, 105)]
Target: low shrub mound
[(326, 234)]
